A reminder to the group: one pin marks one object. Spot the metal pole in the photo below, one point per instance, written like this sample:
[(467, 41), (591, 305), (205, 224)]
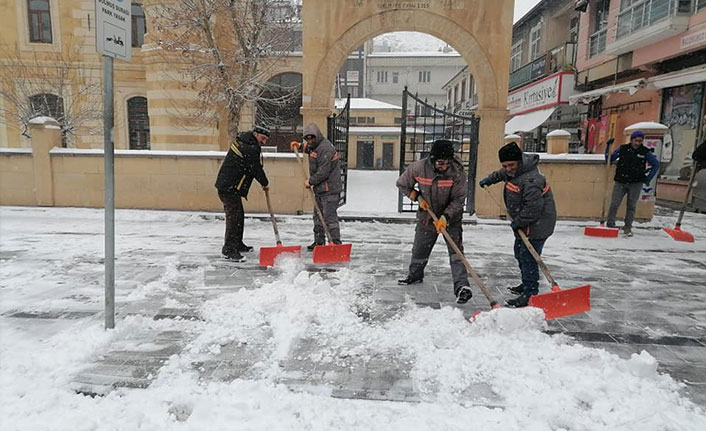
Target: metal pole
[(109, 177)]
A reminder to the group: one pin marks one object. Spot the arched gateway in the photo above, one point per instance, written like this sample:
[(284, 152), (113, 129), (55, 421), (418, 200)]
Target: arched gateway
[(480, 30)]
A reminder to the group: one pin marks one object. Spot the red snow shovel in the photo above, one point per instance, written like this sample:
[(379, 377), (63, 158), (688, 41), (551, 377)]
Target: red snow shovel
[(558, 302), (603, 230), (269, 254), (677, 233), (476, 278), (331, 253)]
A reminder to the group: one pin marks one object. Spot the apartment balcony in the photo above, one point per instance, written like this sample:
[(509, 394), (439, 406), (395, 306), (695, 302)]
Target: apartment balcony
[(562, 57), (648, 22)]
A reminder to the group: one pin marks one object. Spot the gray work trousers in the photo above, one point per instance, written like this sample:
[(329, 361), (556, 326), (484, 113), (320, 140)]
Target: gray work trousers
[(328, 203), (619, 190), (424, 239)]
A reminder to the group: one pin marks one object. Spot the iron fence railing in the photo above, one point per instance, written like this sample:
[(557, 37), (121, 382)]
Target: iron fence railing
[(596, 42), (641, 14), (561, 57)]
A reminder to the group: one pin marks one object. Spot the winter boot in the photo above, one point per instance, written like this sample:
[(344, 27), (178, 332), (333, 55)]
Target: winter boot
[(311, 246), (410, 280), (627, 230), (244, 248), (520, 301), (517, 290), (336, 241), (463, 295), (234, 256)]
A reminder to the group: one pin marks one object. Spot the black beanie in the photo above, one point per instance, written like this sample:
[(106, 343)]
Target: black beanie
[(442, 149), (262, 130), (510, 152)]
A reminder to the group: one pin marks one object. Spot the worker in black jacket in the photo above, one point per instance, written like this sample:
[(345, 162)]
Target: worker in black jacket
[(242, 163)]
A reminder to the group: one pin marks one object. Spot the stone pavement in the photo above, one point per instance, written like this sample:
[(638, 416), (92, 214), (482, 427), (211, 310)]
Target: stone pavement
[(633, 308)]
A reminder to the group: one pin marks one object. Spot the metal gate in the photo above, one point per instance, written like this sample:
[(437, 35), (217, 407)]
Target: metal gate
[(422, 124), (337, 131)]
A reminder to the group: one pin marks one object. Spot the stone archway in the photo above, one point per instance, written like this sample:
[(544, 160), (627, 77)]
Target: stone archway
[(481, 31)]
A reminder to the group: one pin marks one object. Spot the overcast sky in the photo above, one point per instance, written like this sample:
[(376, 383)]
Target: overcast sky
[(522, 7)]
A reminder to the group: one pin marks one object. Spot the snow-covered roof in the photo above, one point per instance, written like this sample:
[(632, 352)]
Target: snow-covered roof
[(157, 153), (366, 103), (372, 130), (512, 136), (649, 125), (414, 54), (558, 132), (42, 120)]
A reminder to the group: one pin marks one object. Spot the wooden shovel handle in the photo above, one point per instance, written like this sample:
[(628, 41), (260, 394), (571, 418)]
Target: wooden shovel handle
[(313, 196), (272, 217), (528, 244), (458, 252), (688, 192)]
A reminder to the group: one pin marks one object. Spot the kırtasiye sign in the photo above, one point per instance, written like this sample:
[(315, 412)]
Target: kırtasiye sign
[(114, 28), (551, 91)]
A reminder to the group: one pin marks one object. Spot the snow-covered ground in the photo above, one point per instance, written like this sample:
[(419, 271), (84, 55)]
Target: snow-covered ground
[(51, 260)]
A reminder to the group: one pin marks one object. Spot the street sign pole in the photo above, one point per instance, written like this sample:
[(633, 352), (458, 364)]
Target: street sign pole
[(109, 194), (113, 40)]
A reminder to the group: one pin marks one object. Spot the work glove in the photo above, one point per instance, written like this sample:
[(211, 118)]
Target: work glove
[(266, 188), (424, 205), (515, 226), (485, 182), (307, 185), (609, 142), (440, 224), (298, 145), (413, 195)]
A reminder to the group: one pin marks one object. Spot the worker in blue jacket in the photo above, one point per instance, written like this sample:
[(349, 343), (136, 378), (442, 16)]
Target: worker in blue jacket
[(630, 175)]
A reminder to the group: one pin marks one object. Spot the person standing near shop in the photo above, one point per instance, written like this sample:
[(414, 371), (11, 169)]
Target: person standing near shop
[(242, 164), (630, 175)]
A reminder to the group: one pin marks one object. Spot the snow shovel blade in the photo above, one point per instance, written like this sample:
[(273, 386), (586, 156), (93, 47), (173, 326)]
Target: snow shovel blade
[(332, 253), (562, 303), (602, 231), (679, 234), (269, 254)]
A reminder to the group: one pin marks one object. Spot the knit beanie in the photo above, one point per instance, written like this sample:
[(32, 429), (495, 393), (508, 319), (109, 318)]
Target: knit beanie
[(510, 152)]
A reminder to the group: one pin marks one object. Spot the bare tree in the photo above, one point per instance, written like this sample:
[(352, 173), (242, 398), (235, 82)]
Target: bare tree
[(52, 84), (227, 49)]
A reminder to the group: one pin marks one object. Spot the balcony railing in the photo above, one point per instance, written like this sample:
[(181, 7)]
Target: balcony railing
[(647, 12), (596, 43), (559, 58)]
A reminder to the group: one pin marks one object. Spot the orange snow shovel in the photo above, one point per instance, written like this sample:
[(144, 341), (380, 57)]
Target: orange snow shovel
[(558, 302), (603, 230), (493, 303), (269, 254), (677, 233), (331, 253)]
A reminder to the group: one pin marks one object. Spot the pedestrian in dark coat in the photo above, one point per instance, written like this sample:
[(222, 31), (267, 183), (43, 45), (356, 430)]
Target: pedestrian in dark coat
[(530, 203), (242, 164), (325, 180), (441, 181), (630, 174)]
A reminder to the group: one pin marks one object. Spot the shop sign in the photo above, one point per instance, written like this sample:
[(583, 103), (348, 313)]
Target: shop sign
[(365, 137), (551, 91), (538, 67), (389, 137), (693, 39), (352, 76)]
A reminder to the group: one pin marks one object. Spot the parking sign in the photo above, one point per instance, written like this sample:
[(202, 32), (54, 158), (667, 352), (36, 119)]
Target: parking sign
[(114, 28)]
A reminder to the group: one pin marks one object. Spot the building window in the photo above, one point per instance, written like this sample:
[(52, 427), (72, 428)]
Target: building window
[(50, 105), (597, 40), (463, 90), (536, 41), (138, 123), (371, 120), (516, 56), (398, 120), (449, 98), (395, 77), (424, 76), (39, 21), (455, 94), (382, 76), (139, 26)]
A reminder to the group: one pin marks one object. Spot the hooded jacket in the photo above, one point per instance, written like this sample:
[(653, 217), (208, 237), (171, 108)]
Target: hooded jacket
[(528, 198), (242, 164), (324, 166), (445, 192)]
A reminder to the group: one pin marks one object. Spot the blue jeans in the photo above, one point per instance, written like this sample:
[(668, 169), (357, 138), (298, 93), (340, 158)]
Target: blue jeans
[(528, 266)]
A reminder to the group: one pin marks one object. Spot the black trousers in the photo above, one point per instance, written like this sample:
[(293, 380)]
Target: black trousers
[(235, 220)]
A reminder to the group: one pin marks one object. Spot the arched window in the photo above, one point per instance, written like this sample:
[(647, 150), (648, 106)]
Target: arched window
[(139, 25), (138, 123), (279, 108), (39, 18), (50, 105)]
